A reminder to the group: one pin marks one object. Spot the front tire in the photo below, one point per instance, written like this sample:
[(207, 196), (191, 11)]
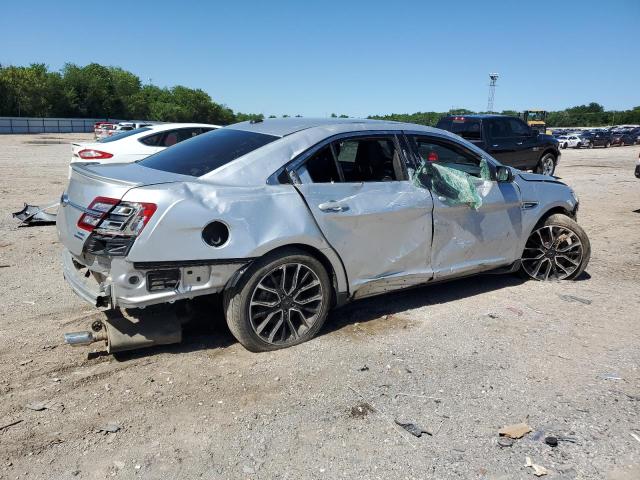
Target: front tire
[(557, 249), (547, 164), (280, 301)]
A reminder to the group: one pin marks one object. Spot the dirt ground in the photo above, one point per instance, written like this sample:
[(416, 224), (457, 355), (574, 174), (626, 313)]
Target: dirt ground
[(460, 359)]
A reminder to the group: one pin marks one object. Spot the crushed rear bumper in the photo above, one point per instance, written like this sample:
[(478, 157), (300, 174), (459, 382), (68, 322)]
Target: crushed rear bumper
[(109, 283)]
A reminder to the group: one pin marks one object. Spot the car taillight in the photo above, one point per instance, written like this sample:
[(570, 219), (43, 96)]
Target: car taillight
[(99, 208), (112, 217), (91, 154)]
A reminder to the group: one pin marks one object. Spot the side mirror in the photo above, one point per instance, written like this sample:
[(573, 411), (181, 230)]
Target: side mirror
[(504, 174)]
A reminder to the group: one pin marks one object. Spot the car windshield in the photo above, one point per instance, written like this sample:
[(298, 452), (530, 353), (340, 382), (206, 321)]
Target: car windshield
[(204, 153), (125, 133)]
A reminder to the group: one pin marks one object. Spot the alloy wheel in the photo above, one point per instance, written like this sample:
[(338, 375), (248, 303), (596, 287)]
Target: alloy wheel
[(285, 303), (552, 252), (547, 165)]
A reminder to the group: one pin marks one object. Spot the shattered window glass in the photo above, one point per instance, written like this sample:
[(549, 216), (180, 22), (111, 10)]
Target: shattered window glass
[(454, 176)]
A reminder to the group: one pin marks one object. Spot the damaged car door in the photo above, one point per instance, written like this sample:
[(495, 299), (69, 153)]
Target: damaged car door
[(477, 219), (380, 224)]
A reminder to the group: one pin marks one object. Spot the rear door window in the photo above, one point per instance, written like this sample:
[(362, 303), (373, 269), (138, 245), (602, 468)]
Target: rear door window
[(207, 152), (468, 128), (124, 134), (355, 160)]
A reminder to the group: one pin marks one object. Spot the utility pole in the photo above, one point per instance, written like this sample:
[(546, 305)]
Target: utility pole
[(493, 77)]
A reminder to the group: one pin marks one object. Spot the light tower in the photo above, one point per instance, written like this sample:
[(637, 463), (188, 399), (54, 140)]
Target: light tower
[(493, 77)]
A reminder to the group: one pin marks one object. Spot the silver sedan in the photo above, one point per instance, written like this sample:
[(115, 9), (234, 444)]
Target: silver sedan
[(288, 218)]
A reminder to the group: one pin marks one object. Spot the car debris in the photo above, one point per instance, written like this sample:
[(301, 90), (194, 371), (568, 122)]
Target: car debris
[(50, 405), (504, 442), (35, 215), (413, 429), (515, 431), (111, 427), (573, 298), (538, 470), (11, 424)]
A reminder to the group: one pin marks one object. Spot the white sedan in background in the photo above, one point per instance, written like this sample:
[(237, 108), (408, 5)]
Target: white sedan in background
[(133, 145), (572, 141)]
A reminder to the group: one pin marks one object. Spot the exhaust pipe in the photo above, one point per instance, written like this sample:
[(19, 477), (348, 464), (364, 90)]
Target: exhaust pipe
[(76, 339), (127, 331)]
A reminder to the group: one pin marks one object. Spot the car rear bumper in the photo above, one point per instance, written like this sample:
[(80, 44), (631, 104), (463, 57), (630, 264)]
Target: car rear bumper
[(109, 283)]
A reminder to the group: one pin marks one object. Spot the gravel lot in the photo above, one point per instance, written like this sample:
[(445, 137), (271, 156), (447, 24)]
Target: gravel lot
[(461, 359)]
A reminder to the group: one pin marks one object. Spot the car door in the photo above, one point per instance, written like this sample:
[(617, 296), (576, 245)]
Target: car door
[(378, 222), (526, 144), (477, 220), (500, 142)]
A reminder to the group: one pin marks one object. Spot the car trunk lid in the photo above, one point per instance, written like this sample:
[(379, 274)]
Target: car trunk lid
[(87, 182)]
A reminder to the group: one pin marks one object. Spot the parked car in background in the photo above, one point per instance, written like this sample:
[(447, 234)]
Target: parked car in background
[(288, 218), (637, 172), (104, 130), (571, 141), (126, 126), (598, 138), (133, 145), (621, 138), (508, 139), (98, 126)]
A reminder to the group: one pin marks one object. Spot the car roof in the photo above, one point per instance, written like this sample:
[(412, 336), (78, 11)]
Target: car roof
[(281, 127), (479, 115), (160, 127), (296, 135)]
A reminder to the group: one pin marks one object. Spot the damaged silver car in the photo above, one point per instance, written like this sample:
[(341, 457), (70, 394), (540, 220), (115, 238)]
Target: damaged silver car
[(288, 218)]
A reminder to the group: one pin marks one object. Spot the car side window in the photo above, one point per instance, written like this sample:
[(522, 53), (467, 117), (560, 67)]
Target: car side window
[(363, 159), (374, 159), (321, 167), (434, 152), (449, 171), (500, 128), (518, 128), (152, 140)]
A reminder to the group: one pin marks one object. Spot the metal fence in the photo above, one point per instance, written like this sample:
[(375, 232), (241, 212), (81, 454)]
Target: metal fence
[(49, 125)]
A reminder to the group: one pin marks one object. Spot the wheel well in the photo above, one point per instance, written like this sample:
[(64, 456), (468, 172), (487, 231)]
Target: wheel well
[(553, 211), (552, 152), (321, 257)]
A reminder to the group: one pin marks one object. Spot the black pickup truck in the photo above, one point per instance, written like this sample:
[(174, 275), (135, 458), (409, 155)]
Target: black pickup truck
[(508, 139)]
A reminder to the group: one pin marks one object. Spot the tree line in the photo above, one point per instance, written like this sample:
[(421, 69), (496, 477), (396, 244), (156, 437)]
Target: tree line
[(592, 115), (97, 91)]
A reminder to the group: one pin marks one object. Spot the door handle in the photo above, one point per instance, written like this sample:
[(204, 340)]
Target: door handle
[(333, 206), (519, 143)]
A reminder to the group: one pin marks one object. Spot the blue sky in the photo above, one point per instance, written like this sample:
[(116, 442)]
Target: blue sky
[(351, 57)]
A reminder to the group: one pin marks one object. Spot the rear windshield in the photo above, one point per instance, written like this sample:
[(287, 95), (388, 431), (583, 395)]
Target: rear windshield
[(204, 153), (124, 134), (468, 128)]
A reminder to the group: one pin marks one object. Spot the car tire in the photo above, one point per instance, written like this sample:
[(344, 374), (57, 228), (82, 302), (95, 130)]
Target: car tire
[(557, 249), (578, 145), (546, 164), (607, 145), (265, 314)]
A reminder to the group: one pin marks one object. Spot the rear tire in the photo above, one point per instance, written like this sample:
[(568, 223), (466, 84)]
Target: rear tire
[(546, 164), (557, 249), (282, 300)]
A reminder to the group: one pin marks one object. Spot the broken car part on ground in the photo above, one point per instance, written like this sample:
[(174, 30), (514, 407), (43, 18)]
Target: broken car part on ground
[(288, 218)]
